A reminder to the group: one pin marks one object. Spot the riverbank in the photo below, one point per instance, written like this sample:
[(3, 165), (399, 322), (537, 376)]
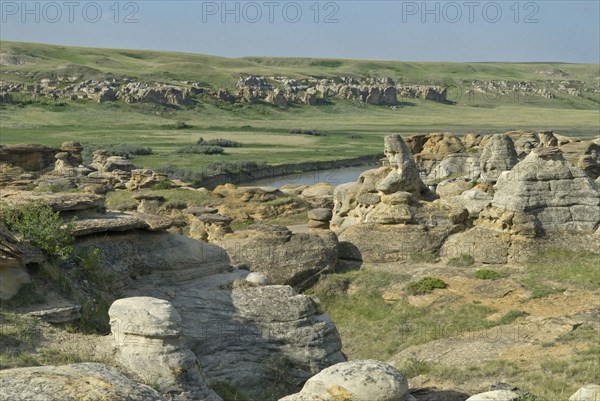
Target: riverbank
[(329, 171)]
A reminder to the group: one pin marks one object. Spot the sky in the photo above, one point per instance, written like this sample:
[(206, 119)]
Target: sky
[(504, 30)]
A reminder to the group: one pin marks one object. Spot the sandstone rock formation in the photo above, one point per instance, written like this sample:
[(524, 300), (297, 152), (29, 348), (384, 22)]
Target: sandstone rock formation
[(559, 195), (496, 395), (29, 157), (498, 155), (285, 258), (319, 218), (365, 380), (147, 334), (94, 381)]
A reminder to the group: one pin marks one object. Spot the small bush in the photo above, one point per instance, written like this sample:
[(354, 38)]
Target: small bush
[(312, 132), (43, 227), (354, 136), (182, 125), (201, 150), (511, 316), (486, 274), (27, 295), (166, 184), (425, 286), (463, 260), (224, 143)]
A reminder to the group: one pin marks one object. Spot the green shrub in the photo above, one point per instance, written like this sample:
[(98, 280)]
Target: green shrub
[(423, 257), (43, 227), (425, 286), (182, 125), (511, 316), (201, 150), (166, 184), (486, 274), (27, 295), (312, 132), (224, 143), (463, 260)]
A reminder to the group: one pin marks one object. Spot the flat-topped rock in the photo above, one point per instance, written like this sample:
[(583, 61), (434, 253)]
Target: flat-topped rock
[(30, 157), (66, 314), (120, 222), (60, 202)]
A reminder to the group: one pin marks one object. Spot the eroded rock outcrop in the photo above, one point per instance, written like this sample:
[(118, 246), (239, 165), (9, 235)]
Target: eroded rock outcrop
[(498, 155), (94, 381), (285, 258)]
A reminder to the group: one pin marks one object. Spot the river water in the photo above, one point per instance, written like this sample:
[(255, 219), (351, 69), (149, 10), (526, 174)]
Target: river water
[(334, 176)]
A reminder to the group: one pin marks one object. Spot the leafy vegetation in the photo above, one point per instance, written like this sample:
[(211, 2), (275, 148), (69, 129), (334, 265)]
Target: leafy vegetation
[(312, 132), (425, 285), (511, 316), (43, 227), (201, 150), (224, 143), (487, 274)]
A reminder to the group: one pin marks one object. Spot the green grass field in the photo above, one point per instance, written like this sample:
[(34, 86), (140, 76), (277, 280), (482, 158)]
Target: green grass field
[(263, 129)]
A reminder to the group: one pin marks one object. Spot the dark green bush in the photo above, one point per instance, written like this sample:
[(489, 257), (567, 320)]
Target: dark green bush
[(224, 143), (201, 150), (312, 132), (486, 274), (425, 286)]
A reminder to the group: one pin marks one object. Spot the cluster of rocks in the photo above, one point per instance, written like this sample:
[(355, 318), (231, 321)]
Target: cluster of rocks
[(23, 165), (500, 200), (109, 90), (381, 91), (283, 91)]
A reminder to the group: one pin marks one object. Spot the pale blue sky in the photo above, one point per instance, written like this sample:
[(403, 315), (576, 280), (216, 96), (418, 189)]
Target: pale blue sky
[(567, 31)]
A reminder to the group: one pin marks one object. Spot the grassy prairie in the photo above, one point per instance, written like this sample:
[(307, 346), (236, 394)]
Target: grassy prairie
[(262, 128)]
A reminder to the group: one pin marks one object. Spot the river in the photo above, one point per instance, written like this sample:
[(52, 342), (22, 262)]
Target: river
[(334, 176)]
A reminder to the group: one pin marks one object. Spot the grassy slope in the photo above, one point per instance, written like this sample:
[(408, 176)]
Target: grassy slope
[(263, 128)]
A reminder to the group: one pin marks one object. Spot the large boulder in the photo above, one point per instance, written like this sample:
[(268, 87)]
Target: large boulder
[(76, 382), (365, 380), (285, 258)]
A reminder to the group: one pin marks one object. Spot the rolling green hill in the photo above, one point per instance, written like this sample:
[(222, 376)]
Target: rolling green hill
[(352, 129)]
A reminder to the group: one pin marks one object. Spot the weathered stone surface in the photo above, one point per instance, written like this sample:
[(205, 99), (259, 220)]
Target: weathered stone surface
[(60, 202), (485, 246), (498, 155), (546, 186), (496, 395), (366, 380), (76, 382), (589, 392), (257, 278), (453, 187), (147, 334), (30, 157), (64, 314), (112, 222), (404, 175), (178, 258), (364, 241), (285, 258), (320, 214), (474, 201)]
